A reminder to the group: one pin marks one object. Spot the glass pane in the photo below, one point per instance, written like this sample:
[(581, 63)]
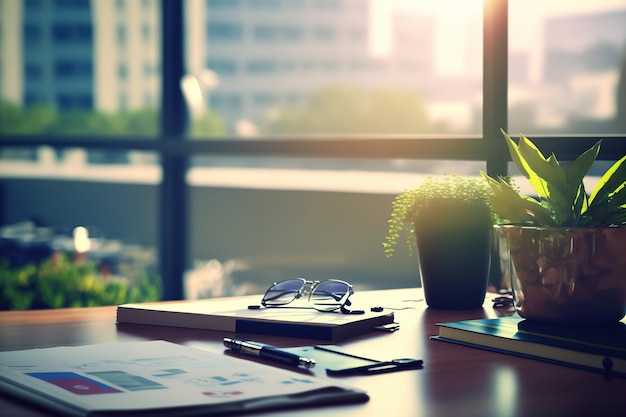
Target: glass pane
[(567, 66), (79, 67), (259, 67), (257, 221), (75, 232)]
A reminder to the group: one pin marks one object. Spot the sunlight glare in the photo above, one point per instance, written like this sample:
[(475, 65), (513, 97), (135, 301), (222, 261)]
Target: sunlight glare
[(81, 239)]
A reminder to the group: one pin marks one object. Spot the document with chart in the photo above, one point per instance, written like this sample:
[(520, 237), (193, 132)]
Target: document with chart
[(155, 377)]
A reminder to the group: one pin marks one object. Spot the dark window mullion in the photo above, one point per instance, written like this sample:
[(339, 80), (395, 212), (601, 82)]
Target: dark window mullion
[(495, 84), (173, 204)]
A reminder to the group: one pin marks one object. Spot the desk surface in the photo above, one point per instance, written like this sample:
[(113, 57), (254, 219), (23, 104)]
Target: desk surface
[(455, 380)]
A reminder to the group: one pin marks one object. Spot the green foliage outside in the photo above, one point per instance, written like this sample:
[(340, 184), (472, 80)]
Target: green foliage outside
[(340, 110), (347, 110), (207, 124), (563, 200), (15, 119), (40, 119), (59, 283)]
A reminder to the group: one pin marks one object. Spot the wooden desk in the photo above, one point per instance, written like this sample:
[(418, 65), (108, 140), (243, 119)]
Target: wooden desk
[(455, 380)]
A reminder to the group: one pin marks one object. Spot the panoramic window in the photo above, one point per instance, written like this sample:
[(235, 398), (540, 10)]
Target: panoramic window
[(299, 121)]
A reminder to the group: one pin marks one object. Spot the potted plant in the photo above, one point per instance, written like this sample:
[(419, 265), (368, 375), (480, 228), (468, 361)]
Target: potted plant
[(449, 221), (565, 250)]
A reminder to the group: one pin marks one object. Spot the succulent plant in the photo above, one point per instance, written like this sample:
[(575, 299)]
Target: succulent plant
[(562, 198)]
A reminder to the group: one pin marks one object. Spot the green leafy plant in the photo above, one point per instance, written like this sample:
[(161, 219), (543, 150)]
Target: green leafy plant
[(449, 195), (59, 283), (562, 199)]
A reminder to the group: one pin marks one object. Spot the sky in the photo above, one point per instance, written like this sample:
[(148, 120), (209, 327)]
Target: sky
[(526, 19)]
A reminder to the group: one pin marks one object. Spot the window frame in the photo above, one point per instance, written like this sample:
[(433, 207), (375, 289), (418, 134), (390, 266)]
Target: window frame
[(176, 149)]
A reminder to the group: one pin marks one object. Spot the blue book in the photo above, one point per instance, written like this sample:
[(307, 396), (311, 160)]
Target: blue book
[(594, 347)]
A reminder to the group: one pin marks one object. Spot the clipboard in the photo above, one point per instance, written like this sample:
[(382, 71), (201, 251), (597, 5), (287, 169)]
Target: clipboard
[(340, 363)]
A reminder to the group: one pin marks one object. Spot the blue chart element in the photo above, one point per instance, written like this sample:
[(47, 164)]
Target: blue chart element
[(127, 381), (74, 383), (162, 373)]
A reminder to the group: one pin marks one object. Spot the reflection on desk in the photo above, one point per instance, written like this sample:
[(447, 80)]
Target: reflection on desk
[(455, 380)]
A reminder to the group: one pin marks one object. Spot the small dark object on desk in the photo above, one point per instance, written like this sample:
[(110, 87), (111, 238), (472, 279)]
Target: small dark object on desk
[(379, 367), (500, 302), (390, 327)]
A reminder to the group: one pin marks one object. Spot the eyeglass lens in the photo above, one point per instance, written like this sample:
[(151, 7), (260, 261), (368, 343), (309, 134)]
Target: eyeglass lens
[(283, 292), (330, 295)]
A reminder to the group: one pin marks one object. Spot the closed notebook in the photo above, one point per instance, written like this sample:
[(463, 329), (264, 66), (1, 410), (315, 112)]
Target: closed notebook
[(600, 347), (232, 316)]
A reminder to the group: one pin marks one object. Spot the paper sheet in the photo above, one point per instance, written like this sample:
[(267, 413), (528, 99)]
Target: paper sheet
[(137, 375)]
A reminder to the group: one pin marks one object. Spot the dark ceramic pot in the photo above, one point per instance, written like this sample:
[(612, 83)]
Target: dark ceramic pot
[(454, 253)]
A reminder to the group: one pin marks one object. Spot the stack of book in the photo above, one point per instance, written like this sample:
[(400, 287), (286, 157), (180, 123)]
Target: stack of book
[(599, 348)]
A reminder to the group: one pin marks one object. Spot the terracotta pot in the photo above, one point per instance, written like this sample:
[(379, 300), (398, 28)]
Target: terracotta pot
[(566, 274), (454, 252)]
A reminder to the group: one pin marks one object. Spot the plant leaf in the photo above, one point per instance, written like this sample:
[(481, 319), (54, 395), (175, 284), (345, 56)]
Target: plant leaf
[(603, 211), (549, 180), (515, 155), (575, 175), (515, 208), (618, 198), (522, 161), (547, 170), (611, 181), (618, 218), (546, 176), (580, 201)]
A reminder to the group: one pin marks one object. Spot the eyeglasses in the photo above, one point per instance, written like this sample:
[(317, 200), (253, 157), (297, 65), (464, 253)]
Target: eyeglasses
[(329, 295)]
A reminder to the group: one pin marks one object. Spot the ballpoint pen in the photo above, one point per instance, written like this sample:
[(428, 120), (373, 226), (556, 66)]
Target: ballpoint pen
[(268, 352)]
